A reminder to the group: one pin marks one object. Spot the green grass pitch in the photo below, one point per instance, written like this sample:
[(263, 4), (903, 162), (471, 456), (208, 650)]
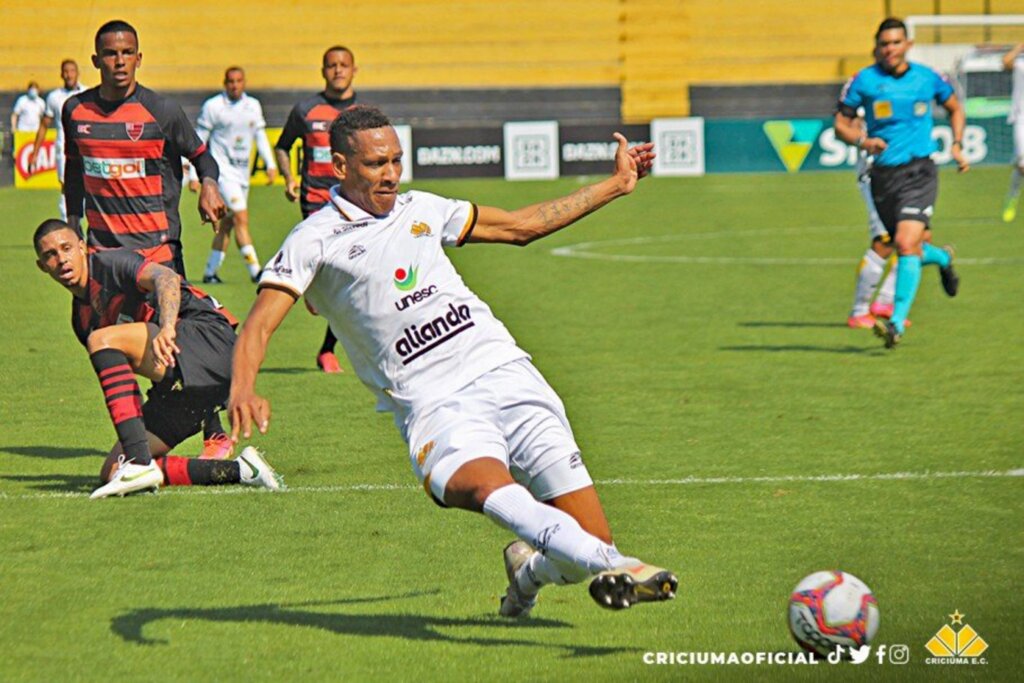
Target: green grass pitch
[(696, 332)]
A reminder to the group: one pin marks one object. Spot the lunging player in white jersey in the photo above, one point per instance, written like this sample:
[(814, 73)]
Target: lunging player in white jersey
[(231, 121), (1013, 61), (485, 431), (54, 107)]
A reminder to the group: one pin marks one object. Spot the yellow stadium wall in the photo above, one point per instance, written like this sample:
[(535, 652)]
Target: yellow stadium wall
[(652, 49)]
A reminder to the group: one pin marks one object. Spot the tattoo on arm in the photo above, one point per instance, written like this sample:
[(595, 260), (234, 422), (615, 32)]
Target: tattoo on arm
[(559, 213), (168, 296)]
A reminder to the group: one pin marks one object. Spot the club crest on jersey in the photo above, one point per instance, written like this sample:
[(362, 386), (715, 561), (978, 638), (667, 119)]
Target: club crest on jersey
[(420, 230), (134, 130)]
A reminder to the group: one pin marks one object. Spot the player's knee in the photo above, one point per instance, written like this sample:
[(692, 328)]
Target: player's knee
[(100, 339)]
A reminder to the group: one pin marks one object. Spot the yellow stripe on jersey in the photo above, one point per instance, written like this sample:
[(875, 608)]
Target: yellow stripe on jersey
[(467, 229)]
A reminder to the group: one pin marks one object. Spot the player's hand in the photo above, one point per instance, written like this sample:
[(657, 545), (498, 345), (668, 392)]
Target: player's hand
[(211, 205), (246, 410), (193, 186), (271, 175), (962, 164), (291, 190), (164, 346), (644, 156), (874, 145), (630, 163)]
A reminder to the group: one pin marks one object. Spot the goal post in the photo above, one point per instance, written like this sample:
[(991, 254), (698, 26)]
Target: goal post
[(968, 49)]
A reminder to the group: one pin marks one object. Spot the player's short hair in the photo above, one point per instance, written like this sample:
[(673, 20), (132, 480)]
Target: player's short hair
[(68, 61), (33, 84), (336, 48), (233, 68), (890, 23), (51, 225), (115, 26), (356, 118)]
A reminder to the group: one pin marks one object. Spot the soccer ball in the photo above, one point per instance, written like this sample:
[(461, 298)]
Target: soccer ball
[(828, 609)]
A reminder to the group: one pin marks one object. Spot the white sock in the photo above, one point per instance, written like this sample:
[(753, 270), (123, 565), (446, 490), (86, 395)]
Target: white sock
[(248, 253), (213, 263), (887, 292), (869, 273), (568, 553)]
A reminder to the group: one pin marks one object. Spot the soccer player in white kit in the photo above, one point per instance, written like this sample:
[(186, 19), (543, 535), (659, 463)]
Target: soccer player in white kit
[(1014, 61), (485, 431), (867, 305), (54, 106), (230, 122)]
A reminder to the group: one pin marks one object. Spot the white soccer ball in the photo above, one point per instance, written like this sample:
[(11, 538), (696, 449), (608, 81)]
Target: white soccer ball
[(827, 609)]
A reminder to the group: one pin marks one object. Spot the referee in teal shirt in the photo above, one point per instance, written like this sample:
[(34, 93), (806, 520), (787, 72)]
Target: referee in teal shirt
[(896, 96)]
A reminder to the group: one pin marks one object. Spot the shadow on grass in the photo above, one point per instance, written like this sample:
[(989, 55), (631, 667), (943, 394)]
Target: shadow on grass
[(784, 323), (288, 371), (53, 452), (786, 348), (419, 627), (64, 483)]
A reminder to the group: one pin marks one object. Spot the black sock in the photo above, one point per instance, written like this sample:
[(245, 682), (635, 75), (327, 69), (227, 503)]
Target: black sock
[(211, 424), (124, 402), (213, 472), (329, 341)]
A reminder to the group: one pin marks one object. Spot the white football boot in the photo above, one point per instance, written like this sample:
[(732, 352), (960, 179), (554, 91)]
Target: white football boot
[(516, 604), (255, 471), (130, 478)]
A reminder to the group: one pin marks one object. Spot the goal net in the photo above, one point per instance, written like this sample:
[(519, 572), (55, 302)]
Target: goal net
[(969, 49)]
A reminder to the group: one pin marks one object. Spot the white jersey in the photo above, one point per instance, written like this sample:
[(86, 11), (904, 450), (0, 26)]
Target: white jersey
[(412, 329), (1017, 97), (29, 111), (230, 127), (55, 106)]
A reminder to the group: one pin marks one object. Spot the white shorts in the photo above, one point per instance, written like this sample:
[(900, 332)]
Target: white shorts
[(876, 229), (234, 191), (510, 414)]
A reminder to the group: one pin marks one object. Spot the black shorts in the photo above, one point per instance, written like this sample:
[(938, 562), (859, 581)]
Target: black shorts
[(199, 382), (905, 193)]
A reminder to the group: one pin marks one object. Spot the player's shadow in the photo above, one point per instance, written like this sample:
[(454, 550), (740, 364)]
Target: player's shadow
[(51, 452), (288, 371), (418, 627), (63, 483), (804, 348), (790, 323)]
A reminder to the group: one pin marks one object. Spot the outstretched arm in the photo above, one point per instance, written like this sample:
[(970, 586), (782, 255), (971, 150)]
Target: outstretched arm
[(530, 223), (244, 405), (167, 284)]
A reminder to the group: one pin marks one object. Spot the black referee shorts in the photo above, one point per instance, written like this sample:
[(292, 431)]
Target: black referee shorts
[(905, 193), (199, 382)]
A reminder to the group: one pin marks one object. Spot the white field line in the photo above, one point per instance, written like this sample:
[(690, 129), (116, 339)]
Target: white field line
[(584, 250), (686, 481)]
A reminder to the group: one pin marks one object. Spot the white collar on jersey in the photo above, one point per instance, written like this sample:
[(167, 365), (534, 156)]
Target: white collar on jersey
[(349, 211)]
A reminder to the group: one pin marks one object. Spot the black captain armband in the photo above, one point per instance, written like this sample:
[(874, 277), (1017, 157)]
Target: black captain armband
[(846, 110)]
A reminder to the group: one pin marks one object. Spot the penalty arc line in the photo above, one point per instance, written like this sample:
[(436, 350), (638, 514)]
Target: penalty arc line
[(684, 481)]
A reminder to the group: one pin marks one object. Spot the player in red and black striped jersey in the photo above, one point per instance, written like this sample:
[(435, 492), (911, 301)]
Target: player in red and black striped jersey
[(310, 121), (123, 145), (135, 316)]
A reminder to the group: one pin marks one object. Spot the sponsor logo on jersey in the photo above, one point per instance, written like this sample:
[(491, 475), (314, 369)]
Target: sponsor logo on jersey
[(319, 126), (405, 279), (134, 130), (322, 155), (415, 297), (417, 340), (420, 230), (114, 168), (349, 228), (85, 129), (278, 267)]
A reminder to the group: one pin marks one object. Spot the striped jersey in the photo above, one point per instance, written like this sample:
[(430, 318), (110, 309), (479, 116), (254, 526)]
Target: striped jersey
[(114, 296), (124, 160), (311, 121)]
